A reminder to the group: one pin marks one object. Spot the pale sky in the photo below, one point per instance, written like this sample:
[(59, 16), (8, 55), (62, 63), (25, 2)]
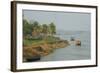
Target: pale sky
[(69, 21)]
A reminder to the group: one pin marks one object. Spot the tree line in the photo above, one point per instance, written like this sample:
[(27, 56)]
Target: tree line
[(36, 29)]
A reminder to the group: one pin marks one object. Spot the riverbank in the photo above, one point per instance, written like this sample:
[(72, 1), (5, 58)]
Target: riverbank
[(43, 48)]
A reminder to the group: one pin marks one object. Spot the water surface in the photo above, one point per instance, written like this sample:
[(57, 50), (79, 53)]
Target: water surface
[(72, 52)]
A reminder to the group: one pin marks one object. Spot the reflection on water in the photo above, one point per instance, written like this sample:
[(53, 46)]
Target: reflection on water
[(72, 52)]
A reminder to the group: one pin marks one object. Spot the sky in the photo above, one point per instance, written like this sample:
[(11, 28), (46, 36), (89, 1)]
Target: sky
[(68, 21)]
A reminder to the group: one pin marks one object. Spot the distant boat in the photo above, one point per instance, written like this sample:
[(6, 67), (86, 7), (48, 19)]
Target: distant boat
[(72, 39), (78, 43)]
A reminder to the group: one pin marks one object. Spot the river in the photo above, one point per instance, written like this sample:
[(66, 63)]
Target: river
[(72, 52)]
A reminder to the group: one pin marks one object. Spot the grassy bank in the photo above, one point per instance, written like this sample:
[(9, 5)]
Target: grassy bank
[(49, 39), (42, 47)]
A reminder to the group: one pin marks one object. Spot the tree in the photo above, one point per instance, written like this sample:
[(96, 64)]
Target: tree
[(39, 29), (35, 27), (44, 29), (52, 28), (27, 28)]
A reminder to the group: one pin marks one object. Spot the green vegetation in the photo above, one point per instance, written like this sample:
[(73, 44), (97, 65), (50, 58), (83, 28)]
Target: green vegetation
[(35, 29), (52, 28), (39, 39), (48, 40), (38, 33), (27, 27)]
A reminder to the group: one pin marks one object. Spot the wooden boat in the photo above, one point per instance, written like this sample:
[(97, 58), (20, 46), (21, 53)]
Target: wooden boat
[(32, 59)]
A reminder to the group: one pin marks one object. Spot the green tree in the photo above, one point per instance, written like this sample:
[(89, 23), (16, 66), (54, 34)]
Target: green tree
[(27, 28), (44, 29), (37, 29), (52, 28), (35, 25)]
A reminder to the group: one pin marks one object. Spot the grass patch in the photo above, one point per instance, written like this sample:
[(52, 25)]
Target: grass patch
[(48, 39)]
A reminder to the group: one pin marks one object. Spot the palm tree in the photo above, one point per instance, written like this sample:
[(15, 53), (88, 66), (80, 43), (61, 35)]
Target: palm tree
[(39, 28), (45, 30), (35, 28), (27, 29), (52, 28)]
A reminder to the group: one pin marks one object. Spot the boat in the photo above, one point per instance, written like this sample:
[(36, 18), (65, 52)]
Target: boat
[(32, 59), (78, 43), (72, 39)]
